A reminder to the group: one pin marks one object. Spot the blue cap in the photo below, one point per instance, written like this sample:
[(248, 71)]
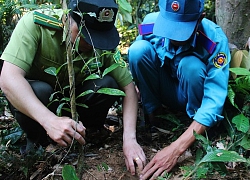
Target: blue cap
[(177, 19)]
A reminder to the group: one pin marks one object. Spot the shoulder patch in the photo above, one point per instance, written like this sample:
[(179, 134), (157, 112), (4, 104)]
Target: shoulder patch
[(47, 21), (118, 59), (220, 60)]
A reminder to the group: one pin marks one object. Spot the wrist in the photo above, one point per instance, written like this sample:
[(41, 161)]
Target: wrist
[(178, 148), (128, 137)]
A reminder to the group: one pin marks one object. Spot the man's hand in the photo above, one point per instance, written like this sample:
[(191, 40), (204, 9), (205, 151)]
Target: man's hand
[(165, 159), (63, 129), (134, 156)]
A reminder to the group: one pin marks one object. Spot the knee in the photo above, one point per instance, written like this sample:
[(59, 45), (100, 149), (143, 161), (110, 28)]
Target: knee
[(192, 67), (42, 90), (109, 82), (138, 50)]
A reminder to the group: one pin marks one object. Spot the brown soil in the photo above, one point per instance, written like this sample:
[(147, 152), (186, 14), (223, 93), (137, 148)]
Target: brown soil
[(103, 158)]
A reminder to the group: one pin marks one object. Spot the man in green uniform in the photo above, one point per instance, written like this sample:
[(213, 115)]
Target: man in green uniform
[(37, 43)]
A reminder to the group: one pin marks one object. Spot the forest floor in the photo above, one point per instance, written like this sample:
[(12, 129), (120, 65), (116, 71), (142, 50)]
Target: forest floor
[(103, 157)]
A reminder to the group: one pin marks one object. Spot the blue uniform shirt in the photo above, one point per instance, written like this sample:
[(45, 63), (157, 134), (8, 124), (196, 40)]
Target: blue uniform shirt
[(216, 61)]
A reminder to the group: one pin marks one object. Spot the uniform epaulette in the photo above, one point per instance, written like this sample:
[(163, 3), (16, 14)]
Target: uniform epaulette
[(145, 29), (207, 43), (47, 21)]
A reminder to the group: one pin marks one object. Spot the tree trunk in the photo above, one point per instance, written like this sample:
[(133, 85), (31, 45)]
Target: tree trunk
[(234, 18)]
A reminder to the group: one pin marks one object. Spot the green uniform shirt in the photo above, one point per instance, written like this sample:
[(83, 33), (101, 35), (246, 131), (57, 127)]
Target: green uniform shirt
[(37, 46)]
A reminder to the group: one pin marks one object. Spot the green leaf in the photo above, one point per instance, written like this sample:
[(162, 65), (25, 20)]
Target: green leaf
[(201, 138), (92, 76), (220, 168), (58, 69), (86, 64), (126, 16), (110, 68), (231, 96), (67, 109), (51, 71), (13, 135), (201, 172), (125, 5), (241, 122), (51, 102), (245, 143), (66, 99), (59, 109), (69, 173), (77, 43), (240, 71), (199, 155), (82, 105), (170, 117), (242, 84), (221, 155), (111, 91), (85, 93)]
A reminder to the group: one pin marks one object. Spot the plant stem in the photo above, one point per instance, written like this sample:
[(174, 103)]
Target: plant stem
[(71, 73)]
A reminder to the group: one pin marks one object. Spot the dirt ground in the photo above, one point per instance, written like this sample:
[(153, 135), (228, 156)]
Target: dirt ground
[(103, 157), (106, 160)]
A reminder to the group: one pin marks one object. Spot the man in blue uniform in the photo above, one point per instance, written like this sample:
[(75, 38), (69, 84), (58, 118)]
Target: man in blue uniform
[(180, 60)]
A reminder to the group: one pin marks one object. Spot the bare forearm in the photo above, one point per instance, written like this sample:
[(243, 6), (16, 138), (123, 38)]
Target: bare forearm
[(187, 138), (20, 94), (130, 112)]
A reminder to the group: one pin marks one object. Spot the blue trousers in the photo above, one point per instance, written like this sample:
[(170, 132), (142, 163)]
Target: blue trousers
[(180, 88)]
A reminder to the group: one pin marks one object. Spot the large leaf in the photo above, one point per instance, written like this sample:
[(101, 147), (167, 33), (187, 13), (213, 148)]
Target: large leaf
[(69, 173), (241, 122), (110, 68), (111, 91), (245, 143), (221, 155), (240, 71), (125, 5), (13, 135), (126, 16)]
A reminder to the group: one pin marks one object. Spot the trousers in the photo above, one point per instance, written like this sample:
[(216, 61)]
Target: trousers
[(178, 85), (93, 116)]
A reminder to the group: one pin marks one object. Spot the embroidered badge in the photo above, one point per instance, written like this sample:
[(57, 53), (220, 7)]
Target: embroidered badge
[(106, 15), (118, 59), (175, 5), (220, 60)]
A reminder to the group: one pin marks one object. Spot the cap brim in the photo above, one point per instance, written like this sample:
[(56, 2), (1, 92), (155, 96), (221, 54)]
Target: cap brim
[(105, 40), (178, 31)]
